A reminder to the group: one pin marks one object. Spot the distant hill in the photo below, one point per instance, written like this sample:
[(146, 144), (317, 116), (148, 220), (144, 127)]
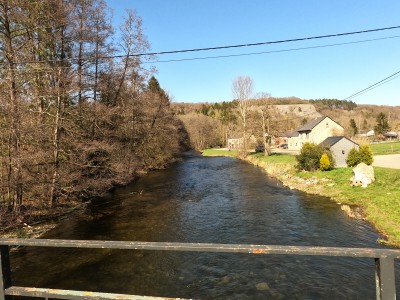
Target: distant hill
[(285, 114), (364, 115), (340, 111)]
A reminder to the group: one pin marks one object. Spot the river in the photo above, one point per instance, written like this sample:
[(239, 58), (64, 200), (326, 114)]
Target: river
[(208, 200)]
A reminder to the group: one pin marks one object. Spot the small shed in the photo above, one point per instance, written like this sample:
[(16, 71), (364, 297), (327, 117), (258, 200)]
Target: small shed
[(391, 135), (340, 147)]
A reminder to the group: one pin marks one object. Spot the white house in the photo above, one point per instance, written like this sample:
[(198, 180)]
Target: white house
[(315, 131)]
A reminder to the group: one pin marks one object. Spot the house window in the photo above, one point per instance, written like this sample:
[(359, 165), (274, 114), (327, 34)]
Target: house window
[(343, 152), (327, 124)]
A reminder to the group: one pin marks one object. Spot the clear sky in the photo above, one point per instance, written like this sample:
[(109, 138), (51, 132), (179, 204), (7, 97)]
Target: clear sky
[(328, 72)]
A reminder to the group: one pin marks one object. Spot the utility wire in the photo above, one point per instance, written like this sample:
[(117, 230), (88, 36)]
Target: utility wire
[(375, 85), (268, 52), (269, 43), (221, 47), (233, 55)]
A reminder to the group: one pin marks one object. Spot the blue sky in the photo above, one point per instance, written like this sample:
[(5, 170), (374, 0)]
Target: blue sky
[(329, 72)]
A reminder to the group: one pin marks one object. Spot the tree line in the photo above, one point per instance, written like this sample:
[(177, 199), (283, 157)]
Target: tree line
[(79, 112), (335, 103)]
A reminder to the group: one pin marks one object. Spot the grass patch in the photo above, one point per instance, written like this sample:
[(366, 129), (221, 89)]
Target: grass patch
[(385, 148), (278, 165), (275, 158), (217, 152)]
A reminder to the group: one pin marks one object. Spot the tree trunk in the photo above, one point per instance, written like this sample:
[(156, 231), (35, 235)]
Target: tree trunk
[(80, 61), (56, 147), (58, 121), (15, 138)]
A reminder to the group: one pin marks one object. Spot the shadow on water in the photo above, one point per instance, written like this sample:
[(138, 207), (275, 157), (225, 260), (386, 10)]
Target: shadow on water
[(208, 200)]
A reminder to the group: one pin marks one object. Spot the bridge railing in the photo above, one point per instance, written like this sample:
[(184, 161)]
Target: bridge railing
[(384, 263)]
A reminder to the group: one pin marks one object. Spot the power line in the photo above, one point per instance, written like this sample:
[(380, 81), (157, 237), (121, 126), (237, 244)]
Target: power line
[(382, 83), (270, 42), (220, 47), (268, 52), (375, 85), (239, 55)]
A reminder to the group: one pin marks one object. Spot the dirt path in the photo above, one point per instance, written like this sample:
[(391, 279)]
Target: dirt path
[(387, 161)]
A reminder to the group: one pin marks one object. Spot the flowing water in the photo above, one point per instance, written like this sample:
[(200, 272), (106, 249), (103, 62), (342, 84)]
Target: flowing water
[(207, 200)]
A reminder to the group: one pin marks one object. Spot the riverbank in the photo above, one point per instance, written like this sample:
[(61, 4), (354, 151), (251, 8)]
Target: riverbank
[(379, 203), (33, 221)]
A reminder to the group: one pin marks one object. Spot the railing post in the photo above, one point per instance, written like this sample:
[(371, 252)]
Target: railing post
[(5, 271), (384, 277)]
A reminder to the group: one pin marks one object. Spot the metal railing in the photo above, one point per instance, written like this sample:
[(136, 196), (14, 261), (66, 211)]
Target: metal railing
[(384, 263)]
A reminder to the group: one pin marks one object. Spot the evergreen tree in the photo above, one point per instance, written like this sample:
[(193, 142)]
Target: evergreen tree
[(382, 124), (365, 124), (353, 126), (154, 87)]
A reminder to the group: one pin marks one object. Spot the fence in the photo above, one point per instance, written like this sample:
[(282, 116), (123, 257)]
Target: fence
[(384, 263)]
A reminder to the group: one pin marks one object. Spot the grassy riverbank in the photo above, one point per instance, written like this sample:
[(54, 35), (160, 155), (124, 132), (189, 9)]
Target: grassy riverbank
[(379, 203), (219, 152)]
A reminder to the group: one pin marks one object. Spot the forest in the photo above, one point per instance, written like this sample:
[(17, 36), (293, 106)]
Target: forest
[(79, 112)]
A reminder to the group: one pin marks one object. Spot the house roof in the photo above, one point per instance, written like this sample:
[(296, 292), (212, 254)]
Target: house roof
[(287, 134), (292, 134), (332, 140), (311, 124), (390, 134)]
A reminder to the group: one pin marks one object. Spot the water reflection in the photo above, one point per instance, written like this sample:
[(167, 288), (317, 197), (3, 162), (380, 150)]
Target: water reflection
[(216, 200)]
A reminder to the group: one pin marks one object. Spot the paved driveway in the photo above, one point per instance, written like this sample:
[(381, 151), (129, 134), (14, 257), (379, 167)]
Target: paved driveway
[(387, 161)]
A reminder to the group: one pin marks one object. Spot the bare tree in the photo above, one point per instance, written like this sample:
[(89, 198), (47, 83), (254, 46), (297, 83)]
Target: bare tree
[(203, 130), (133, 41), (103, 31), (265, 112), (13, 42), (242, 90)]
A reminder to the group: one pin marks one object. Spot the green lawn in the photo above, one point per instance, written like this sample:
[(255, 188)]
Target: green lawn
[(217, 152), (386, 148), (275, 158)]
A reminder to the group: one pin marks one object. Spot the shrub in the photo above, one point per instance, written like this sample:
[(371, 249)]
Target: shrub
[(358, 156), (353, 159), (310, 155), (366, 155), (324, 162)]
